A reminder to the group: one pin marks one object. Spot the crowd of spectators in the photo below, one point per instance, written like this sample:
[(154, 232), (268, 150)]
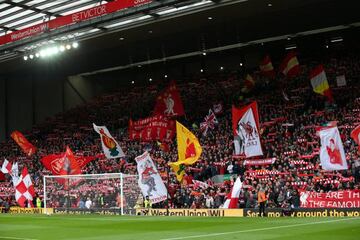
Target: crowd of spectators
[(289, 113)]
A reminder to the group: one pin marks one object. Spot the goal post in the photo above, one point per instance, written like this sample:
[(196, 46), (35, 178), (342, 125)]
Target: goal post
[(108, 193)]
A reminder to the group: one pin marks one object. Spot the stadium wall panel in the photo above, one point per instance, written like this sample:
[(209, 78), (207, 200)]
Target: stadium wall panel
[(20, 106), (48, 97)]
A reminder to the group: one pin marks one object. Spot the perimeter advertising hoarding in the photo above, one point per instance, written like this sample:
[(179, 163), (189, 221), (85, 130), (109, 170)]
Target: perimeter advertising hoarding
[(14, 210), (81, 211), (191, 212), (313, 212), (247, 212)]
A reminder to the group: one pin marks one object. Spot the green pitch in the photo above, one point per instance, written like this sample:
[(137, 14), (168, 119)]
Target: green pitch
[(93, 227)]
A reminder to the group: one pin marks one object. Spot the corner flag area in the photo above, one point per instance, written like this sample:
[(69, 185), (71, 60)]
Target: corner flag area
[(91, 227)]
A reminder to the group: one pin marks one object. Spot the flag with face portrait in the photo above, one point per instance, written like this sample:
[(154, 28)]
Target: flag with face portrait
[(332, 154)]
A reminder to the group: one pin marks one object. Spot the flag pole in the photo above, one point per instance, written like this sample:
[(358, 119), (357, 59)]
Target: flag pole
[(168, 194), (44, 183), (68, 193), (122, 194)]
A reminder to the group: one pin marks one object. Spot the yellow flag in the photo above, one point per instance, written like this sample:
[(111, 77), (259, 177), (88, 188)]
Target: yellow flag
[(178, 169), (189, 150)]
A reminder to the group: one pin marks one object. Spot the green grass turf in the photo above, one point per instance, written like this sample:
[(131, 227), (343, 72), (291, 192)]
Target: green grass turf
[(93, 227)]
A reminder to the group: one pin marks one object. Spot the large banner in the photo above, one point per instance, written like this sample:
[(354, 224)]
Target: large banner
[(337, 199), (150, 181), (152, 128), (71, 19)]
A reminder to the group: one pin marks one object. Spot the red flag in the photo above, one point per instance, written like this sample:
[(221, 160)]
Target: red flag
[(246, 129), (266, 67), (24, 190), (71, 166), (169, 103), (290, 66), (53, 162), (84, 160), (62, 164), (23, 143), (355, 134)]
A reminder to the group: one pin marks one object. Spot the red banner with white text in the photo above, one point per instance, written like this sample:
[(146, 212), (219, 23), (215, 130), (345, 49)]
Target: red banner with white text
[(336, 199), (152, 128), (71, 19)]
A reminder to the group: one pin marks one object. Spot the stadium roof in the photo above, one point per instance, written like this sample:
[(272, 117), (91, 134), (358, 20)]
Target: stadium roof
[(164, 28), (18, 15)]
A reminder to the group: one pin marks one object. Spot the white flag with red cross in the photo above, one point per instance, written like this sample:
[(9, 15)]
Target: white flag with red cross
[(233, 199)]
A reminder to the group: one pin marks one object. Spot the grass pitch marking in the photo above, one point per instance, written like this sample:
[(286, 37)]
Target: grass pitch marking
[(258, 229), (17, 238)]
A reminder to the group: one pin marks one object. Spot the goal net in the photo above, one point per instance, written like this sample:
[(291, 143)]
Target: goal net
[(110, 193)]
